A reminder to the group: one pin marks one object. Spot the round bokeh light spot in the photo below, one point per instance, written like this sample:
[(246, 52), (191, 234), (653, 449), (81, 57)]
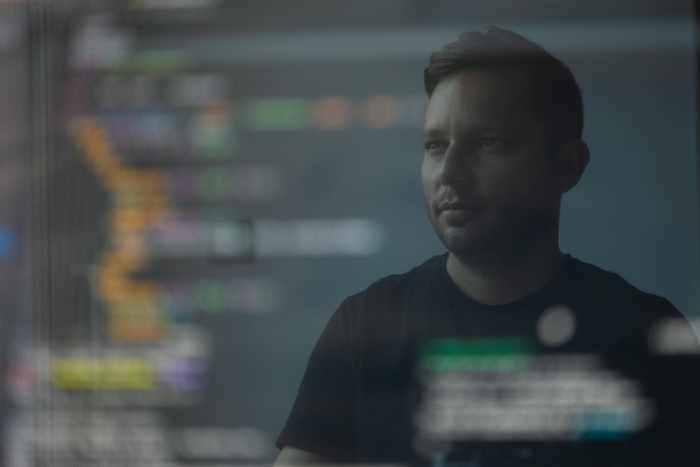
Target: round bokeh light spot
[(556, 326)]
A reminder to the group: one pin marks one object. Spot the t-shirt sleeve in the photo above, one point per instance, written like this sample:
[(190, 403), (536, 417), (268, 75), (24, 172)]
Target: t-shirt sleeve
[(321, 420)]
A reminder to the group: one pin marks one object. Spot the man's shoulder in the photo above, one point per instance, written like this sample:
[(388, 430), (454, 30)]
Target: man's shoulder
[(380, 308), (393, 287), (606, 286)]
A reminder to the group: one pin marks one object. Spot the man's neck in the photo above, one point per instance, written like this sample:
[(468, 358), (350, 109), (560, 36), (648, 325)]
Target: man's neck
[(503, 282)]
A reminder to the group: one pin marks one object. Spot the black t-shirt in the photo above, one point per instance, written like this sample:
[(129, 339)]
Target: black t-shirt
[(358, 396)]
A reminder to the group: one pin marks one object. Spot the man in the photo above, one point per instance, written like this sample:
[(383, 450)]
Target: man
[(503, 143)]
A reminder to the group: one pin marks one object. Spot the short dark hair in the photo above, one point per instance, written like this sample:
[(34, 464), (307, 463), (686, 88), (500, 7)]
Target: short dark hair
[(556, 93)]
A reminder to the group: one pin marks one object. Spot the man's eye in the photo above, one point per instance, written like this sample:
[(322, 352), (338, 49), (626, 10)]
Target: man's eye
[(491, 142), (435, 147)]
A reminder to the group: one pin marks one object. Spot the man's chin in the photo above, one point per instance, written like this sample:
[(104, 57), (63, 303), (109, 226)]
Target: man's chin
[(470, 241), (465, 245)]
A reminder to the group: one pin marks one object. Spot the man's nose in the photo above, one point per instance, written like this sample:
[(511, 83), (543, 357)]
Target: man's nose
[(458, 165)]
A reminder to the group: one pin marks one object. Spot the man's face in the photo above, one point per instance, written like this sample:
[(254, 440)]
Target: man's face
[(488, 171)]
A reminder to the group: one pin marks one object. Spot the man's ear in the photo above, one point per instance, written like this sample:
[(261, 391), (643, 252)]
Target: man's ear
[(572, 160)]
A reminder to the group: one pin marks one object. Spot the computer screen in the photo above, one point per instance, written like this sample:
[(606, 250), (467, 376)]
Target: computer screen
[(192, 188)]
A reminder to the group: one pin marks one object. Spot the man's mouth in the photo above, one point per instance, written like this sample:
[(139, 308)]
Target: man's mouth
[(457, 206), (457, 212)]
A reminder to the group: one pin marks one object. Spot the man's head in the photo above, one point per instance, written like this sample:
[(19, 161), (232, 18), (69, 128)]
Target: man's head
[(502, 144)]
